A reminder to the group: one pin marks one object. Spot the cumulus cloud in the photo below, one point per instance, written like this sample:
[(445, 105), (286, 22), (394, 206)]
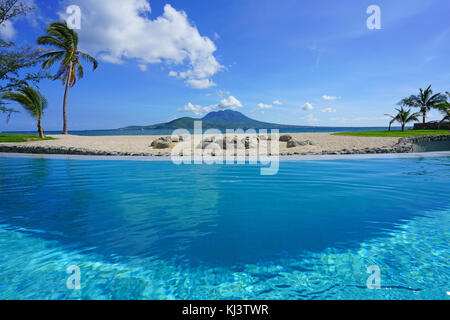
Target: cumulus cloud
[(200, 83), (7, 30), (228, 103), (329, 110), (277, 102), (195, 109), (329, 98), (121, 30), (307, 107), (264, 106)]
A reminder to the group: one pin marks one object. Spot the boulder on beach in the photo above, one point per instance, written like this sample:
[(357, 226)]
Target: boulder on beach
[(294, 143), (285, 138), (250, 142), (167, 139), (161, 144)]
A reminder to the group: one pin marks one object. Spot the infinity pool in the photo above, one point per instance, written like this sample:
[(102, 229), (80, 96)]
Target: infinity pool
[(154, 230)]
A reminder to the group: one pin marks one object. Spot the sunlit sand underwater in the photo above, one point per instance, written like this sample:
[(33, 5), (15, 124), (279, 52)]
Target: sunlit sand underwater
[(154, 230)]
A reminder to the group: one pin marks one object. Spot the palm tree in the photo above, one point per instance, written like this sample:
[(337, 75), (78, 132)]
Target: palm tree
[(405, 116), (65, 42), (32, 101), (425, 100), (444, 108), (393, 119)]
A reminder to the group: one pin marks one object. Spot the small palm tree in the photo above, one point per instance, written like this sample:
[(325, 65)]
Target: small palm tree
[(393, 119), (444, 108), (405, 116), (32, 101), (65, 42), (425, 100)]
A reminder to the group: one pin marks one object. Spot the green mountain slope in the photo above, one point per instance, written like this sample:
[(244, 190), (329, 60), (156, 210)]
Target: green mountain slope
[(227, 119)]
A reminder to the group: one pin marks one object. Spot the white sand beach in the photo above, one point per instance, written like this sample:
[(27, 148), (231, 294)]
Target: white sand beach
[(322, 142)]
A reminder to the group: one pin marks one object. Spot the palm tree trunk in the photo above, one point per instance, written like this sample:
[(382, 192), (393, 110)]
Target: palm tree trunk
[(403, 127), (40, 130), (65, 100), (389, 127), (424, 117)]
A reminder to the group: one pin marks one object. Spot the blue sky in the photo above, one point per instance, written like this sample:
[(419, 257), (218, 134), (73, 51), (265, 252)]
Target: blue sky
[(290, 61)]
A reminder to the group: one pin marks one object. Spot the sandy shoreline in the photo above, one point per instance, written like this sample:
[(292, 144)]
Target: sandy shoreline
[(323, 143)]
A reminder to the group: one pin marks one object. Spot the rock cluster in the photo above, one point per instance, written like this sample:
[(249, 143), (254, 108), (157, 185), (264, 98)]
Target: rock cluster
[(166, 142), (234, 142), (65, 150), (294, 143)]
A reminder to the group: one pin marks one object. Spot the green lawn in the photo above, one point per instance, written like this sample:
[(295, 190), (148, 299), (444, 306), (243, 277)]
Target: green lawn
[(21, 138), (407, 133)]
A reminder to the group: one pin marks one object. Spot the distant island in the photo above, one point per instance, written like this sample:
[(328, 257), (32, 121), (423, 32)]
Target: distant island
[(227, 119)]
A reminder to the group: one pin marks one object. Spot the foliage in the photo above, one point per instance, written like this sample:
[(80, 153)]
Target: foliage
[(21, 138), (425, 101), (64, 42), (394, 133), (32, 101), (16, 62), (444, 108)]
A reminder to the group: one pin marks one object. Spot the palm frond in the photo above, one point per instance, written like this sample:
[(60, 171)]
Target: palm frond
[(89, 59), (80, 71), (62, 32), (60, 36), (50, 41), (30, 99), (53, 57)]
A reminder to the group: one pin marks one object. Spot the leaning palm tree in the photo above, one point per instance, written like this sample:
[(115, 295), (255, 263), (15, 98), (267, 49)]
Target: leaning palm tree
[(393, 119), (425, 100), (32, 101), (405, 116), (65, 42)]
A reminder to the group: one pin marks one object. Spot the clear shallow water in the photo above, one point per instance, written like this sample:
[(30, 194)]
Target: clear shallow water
[(153, 230)]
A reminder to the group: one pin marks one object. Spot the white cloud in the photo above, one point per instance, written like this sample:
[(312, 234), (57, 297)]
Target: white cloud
[(307, 107), (329, 110), (264, 106), (228, 103), (277, 102), (121, 30), (7, 30), (196, 109), (200, 83), (329, 98)]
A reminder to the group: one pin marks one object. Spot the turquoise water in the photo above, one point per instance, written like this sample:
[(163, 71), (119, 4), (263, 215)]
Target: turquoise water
[(154, 230)]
